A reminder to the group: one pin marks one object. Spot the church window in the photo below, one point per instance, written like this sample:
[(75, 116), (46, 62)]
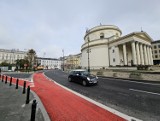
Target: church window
[(112, 51), (101, 35), (88, 39), (113, 59)]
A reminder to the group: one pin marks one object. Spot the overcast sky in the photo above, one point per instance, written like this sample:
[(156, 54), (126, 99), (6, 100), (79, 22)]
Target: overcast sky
[(48, 26)]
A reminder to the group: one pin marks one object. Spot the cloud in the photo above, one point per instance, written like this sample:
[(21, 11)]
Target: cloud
[(50, 26)]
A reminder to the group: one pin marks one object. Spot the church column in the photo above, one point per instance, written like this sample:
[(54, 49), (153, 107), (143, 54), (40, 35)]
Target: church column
[(117, 56), (141, 54), (138, 54), (151, 55), (145, 56), (148, 53), (134, 53), (124, 54)]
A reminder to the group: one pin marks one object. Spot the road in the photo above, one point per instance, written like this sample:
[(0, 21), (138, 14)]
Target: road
[(137, 99)]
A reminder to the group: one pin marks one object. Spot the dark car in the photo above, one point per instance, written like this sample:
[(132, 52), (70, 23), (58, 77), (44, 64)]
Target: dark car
[(83, 77)]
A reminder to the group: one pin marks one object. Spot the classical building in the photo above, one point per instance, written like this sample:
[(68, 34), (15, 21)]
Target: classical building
[(72, 61), (104, 46), (156, 52), (10, 56), (49, 63)]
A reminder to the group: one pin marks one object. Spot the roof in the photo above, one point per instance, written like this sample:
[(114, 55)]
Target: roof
[(47, 58), (79, 70), (157, 41)]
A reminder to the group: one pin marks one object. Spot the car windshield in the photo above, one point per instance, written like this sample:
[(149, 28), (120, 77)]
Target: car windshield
[(86, 73)]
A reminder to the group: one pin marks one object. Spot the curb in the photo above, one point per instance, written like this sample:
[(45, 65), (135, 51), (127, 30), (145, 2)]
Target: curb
[(131, 79)]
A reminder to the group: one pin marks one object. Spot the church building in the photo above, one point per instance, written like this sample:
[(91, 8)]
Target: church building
[(104, 46)]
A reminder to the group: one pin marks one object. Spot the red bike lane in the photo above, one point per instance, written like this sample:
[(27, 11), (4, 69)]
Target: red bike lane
[(62, 105)]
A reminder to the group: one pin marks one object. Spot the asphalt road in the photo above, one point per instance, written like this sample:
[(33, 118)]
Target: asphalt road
[(138, 99)]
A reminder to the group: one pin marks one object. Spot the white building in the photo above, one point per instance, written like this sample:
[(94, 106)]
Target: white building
[(49, 63), (10, 56), (108, 48)]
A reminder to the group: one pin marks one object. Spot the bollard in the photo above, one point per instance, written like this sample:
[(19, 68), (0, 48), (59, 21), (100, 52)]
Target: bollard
[(24, 87), (28, 93), (17, 83), (2, 78), (10, 84), (33, 111), (6, 80)]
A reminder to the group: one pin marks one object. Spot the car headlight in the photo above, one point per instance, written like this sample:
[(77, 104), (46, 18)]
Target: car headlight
[(96, 77), (88, 79)]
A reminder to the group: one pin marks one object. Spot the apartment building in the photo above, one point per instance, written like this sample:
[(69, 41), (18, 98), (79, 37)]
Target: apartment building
[(73, 61), (49, 63), (156, 52), (10, 56)]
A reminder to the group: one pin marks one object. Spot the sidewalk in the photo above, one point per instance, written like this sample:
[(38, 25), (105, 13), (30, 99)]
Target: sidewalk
[(12, 104), (63, 105)]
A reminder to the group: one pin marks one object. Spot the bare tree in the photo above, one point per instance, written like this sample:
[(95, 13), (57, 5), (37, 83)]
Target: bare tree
[(31, 57)]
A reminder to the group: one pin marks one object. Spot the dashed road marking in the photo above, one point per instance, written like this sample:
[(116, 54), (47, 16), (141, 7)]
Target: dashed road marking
[(125, 80), (153, 93)]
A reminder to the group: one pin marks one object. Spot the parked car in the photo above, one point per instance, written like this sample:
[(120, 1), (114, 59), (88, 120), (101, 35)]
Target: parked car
[(83, 77)]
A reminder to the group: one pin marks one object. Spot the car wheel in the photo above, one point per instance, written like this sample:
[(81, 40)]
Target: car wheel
[(84, 83), (69, 79)]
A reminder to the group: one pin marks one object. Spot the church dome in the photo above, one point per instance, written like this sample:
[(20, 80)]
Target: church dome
[(106, 30), (104, 27)]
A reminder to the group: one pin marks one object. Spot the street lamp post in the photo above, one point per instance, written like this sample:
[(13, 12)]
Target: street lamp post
[(108, 54), (127, 60), (88, 56), (63, 59)]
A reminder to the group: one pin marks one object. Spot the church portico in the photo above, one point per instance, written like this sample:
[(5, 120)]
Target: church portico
[(134, 53)]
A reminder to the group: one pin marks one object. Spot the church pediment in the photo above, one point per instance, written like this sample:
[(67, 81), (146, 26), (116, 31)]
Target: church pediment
[(144, 35)]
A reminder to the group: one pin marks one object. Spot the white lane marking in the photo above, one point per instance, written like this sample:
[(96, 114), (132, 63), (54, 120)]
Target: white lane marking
[(153, 93), (23, 105), (130, 81)]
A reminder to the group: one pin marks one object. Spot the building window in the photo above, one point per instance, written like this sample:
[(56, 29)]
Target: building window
[(158, 46), (159, 51), (88, 39), (156, 56), (155, 51), (155, 46), (112, 51), (101, 35)]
